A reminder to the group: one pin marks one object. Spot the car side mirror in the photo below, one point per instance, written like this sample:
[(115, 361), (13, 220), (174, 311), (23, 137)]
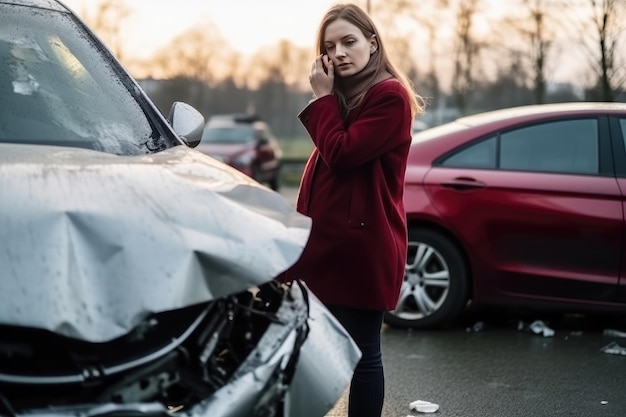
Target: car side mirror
[(186, 122)]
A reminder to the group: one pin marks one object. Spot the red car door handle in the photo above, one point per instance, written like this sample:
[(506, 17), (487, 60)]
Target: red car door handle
[(463, 183)]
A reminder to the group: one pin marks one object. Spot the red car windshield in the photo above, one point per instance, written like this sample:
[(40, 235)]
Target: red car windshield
[(228, 135)]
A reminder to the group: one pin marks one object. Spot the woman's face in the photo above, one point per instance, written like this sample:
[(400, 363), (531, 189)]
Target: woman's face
[(348, 47)]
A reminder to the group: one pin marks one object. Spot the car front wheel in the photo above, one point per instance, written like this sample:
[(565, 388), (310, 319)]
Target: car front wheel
[(434, 291)]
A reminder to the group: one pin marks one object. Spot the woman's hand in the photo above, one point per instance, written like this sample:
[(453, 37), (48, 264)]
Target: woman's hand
[(322, 76)]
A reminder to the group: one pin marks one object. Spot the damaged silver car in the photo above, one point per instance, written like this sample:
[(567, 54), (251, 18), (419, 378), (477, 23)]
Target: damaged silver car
[(136, 273)]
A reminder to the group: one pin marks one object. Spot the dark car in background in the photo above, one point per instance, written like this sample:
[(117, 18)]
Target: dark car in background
[(517, 208), (246, 143), (136, 273)]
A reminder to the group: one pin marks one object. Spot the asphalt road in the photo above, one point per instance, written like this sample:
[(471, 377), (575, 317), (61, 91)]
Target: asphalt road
[(486, 367), (501, 371)]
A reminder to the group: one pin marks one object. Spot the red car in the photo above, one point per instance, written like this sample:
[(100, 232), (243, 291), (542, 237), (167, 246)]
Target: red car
[(521, 207), (245, 143)]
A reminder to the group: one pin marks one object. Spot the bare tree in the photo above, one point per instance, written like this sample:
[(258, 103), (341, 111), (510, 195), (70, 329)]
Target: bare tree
[(284, 61), (536, 22), (108, 21), (601, 35), (609, 26), (200, 53), (466, 51), (508, 88), (279, 75), (409, 24), (539, 44), (394, 19), (432, 82)]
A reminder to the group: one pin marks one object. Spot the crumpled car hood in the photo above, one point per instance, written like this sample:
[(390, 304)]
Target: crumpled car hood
[(100, 241)]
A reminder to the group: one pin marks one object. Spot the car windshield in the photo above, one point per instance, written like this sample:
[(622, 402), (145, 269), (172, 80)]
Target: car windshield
[(228, 135), (58, 88)]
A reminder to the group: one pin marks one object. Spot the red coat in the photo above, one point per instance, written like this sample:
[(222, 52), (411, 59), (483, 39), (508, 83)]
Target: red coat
[(352, 189)]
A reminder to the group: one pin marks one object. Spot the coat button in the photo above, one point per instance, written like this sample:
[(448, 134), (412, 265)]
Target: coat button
[(306, 118)]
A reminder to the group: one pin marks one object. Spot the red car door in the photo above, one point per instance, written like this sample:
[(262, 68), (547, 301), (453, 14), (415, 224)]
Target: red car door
[(547, 222)]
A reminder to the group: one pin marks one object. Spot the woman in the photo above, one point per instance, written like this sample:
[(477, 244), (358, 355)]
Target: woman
[(360, 122)]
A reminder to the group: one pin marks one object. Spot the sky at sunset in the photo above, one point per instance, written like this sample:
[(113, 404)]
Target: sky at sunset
[(249, 25)]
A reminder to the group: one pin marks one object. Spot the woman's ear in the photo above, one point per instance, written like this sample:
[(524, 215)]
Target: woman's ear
[(373, 44)]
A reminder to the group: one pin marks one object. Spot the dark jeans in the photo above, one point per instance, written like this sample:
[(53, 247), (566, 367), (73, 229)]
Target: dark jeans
[(367, 389)]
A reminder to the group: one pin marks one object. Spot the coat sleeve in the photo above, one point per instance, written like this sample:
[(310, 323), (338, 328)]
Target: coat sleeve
[(381, 125)]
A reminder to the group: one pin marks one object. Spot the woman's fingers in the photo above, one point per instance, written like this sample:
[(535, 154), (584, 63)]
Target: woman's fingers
[(321, 76), (328, 64)]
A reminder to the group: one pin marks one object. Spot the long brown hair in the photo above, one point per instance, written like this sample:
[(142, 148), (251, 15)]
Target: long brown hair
[(359, 18)]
